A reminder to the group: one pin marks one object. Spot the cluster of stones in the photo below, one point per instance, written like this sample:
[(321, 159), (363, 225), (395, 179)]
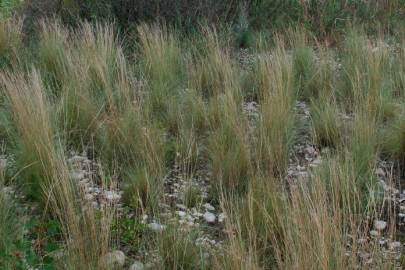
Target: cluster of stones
[(203, 216), (87, 175), (379, 235), (173, 210), (375, 242), (6, 192), (304, 154), (246, 58), (176, 185), (251, 109)]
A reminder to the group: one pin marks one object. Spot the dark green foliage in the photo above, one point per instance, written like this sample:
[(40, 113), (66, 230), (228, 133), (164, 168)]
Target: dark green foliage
[(322, 17)]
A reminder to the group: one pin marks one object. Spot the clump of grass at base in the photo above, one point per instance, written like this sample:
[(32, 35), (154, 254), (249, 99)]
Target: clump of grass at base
[(85, 236), (11, 228), (305, 67), (326, 126), (393, 140), (163, 64), (134, 150), (275, 129), (178, 250), (307, 224), (53, 54), (142, 190), (10, 42), (191, 195), (363, 145), (228, 147), (213, 72)]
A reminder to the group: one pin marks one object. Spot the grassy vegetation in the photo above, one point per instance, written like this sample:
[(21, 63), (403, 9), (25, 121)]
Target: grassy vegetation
[(173, 102)]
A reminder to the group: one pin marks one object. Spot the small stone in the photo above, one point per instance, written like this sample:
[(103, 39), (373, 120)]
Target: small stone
[(77, 175), (137, 265), (317, 161), (374, 233), (112, 196), (380, 225), (380, 172), (76, 159), (209, 217), (181, 214), (362, 241), (310, 150), (209, 207), (116, 258), (3, 163), (221, 217), (325, 150), (181, 206), (88, 197), (156, 227)]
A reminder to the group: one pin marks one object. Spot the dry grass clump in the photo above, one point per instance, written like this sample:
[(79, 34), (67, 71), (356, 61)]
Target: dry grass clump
[(86, 236), (276, 124), (10, 42), (306, 226)]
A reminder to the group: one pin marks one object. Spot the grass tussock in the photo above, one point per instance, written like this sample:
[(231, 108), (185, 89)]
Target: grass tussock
[(304, 227), (86, 236), (276, 125)]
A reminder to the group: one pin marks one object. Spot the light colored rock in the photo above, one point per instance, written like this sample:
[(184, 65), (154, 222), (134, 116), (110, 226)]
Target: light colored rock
[(116, 258), (209, 217), (221, 217), (77, 175), (380, 225), (181, 206), (317, 161), (362, 241), (112, 196), (209, 207), (310, 150), (181, 214), (88, 197), (374, 233), (156, 227), (137, 265), (76, 159), (380, 172), (3, 163)]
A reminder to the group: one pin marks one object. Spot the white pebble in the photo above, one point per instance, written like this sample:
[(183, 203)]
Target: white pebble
[(181, 214), (116, 257), (209, 217), (380, 225), (137, 265), (156, 227)]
